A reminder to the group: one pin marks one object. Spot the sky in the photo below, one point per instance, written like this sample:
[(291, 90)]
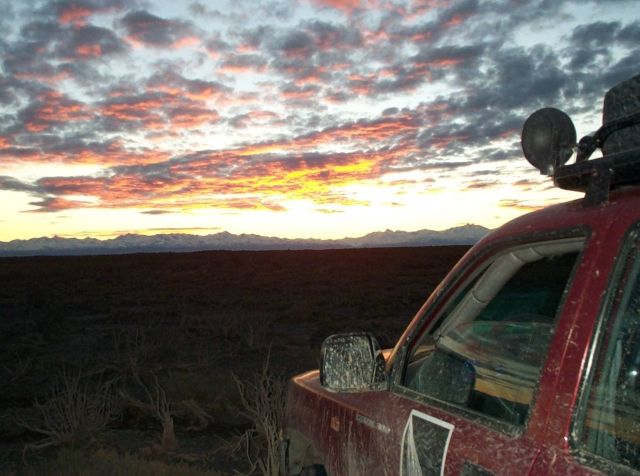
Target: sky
[(296, 118)]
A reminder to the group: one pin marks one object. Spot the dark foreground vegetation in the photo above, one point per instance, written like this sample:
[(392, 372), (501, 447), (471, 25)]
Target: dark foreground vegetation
[(175, 363)]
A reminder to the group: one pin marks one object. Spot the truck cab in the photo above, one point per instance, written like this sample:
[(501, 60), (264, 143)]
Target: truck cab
[(525, 359)]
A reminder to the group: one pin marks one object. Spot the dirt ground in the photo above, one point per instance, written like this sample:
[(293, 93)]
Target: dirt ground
[(173, 333)]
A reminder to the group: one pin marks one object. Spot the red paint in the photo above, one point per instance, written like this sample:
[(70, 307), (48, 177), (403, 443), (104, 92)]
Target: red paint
[(361, 433)]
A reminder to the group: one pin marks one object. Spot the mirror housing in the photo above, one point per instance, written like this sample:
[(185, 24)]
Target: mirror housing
[(352, 362)]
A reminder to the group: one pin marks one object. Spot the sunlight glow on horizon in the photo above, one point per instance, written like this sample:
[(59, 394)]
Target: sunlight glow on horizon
[(297, 119)]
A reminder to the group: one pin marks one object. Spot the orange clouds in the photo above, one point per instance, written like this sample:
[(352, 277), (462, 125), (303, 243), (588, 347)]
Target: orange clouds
[(161, 110), (369, 132), (355, 135), (521, 205), (111, 154), (190, 117), (314, 165), (74, 14), (89, 51), (53, 109), (133, 108), (221, 179), (55, 204), (43, 77), (242, 64), (186, 42), (344, 5)]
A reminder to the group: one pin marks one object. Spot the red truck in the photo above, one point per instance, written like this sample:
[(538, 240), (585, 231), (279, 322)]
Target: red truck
[(524, 360)]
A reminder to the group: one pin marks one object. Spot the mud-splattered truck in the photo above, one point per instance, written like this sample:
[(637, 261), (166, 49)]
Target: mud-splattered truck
[(525, 359)]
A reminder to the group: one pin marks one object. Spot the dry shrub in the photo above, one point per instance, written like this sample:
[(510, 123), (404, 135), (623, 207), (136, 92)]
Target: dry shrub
[(263, 402), (74, 412), (156, 403)]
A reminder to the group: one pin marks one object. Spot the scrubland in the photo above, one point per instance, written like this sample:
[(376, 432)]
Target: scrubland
[(167, 363)]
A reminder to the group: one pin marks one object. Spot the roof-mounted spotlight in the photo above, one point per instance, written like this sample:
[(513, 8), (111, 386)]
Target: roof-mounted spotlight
[(548, 139)]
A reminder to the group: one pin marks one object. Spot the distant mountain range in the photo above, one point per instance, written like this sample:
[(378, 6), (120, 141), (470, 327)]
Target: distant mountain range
[(462, 235)]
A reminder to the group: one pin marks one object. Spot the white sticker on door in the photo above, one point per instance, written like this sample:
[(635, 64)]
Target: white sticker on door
[(424, 445)]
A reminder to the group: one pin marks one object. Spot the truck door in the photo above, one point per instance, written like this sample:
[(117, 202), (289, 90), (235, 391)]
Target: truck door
[(605, 437), (466, 379)]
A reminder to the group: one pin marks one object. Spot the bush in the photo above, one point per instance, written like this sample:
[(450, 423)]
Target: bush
[(74, 413), (263, 401)]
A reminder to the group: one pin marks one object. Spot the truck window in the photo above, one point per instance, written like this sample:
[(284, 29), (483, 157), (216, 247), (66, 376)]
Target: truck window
[(487, 354), (610, 415)]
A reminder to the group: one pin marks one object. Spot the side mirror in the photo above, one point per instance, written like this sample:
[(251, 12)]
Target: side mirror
[(352, 362)]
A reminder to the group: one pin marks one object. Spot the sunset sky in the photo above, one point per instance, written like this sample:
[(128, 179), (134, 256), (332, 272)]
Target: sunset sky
[(298, 118)]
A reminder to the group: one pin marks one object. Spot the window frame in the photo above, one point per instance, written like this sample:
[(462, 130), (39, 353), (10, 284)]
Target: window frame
[(625, 260), (431, 317)]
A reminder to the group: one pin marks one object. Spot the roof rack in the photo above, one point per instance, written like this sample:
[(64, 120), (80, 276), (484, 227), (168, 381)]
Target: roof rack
[(597, 177), (548, 142)]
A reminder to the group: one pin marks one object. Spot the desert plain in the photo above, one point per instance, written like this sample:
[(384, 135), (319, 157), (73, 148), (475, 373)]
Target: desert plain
[(148, 363)]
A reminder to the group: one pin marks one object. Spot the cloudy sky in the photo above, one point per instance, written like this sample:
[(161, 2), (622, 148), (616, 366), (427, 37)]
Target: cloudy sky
[(296, 118)]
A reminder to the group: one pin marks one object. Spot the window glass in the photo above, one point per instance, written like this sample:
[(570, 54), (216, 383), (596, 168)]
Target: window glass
[(487, 353), (611, 422)]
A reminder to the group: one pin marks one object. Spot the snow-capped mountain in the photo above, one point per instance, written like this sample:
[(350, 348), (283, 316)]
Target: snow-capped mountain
[(462, 235)]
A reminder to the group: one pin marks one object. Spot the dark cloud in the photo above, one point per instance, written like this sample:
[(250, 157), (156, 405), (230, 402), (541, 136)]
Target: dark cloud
[(591, 49), (458, 14), (629, 35), (10, 183), (216, 47), (481, 129), (56, 204), (595, 35), (436, 63), (156, 212), (77, 12), (492, 154), (51, 110), (244, 63), (412, 163), (526, 183), (7, 90), (522, 205), (92, 42), (49, 52), (176, 104), (299, 94), (170, 81), (516, 80), (20, 153), (151, 30), (255, 38), (431, 31), (590, 46), (7, 19), (328, 36), (25, 55), (312, 51), (256, 117), (480, 184), (296, 45)]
